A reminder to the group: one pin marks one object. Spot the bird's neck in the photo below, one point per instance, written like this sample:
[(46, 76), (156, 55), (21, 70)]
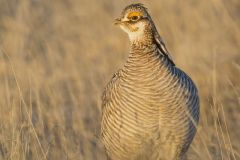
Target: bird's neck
[(145, 57), (143, 40), (144, 54), (142, 45)]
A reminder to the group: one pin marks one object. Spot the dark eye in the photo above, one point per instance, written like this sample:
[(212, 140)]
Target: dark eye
[(135, 18)]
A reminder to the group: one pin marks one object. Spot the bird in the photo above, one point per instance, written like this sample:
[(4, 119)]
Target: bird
[(150, 107)]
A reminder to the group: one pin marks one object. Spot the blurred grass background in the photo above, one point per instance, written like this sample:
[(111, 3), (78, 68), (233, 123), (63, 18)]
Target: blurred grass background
[(56, 57)]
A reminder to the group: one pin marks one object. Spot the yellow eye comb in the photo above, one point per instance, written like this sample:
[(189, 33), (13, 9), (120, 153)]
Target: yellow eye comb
[(134, 14)]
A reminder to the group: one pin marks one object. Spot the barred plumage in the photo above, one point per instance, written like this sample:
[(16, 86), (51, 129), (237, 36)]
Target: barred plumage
[(150, 107)]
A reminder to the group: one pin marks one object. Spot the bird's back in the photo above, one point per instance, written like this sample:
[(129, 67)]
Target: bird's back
[(150, 109)]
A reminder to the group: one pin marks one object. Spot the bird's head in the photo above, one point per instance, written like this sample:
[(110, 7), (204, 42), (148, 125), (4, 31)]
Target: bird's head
[(139, 26), (135, 21)]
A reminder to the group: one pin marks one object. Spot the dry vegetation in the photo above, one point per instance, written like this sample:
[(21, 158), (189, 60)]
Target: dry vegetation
[(57, 55)]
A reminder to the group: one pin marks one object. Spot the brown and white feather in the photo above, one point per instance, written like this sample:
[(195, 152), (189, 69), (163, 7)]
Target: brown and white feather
[(150, 107)]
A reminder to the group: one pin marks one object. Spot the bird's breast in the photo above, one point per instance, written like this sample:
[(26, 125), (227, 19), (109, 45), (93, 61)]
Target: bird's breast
[(146, 106)]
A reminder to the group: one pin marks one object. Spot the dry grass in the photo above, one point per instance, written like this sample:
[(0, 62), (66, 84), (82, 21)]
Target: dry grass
[(56, 56)]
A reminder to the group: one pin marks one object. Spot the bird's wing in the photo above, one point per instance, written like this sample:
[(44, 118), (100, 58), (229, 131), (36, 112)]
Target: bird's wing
[(108, 89)]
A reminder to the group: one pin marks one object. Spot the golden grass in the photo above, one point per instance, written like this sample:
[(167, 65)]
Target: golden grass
[(56, 57)]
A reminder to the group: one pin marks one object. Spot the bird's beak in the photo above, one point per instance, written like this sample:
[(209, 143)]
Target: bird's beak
[(117, 21)]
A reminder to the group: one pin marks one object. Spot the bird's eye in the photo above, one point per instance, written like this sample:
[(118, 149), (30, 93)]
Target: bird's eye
[(135, 18)]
